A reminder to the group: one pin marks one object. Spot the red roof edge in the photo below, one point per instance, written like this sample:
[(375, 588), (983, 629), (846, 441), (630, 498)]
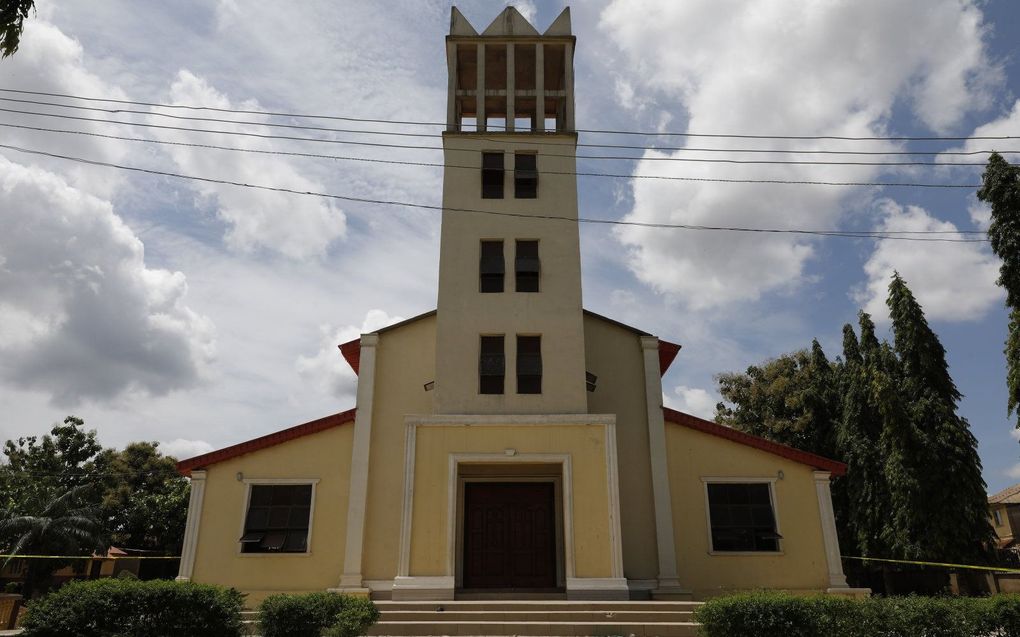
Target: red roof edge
[(667, 354), (184, 467), (352, 353), (790, 453)]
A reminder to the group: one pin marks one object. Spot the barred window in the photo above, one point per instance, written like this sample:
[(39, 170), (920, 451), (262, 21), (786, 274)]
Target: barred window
[(527, 266), (278, 519), (525, 175), (742, 517), (491, 365)]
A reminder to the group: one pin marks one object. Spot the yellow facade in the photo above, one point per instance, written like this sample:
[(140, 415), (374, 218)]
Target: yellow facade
[(610, 495)]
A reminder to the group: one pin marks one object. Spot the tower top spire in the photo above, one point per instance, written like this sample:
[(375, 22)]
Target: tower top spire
[(510, 78)]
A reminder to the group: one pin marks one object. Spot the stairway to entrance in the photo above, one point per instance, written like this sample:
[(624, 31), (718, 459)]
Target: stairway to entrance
[(538, 617)]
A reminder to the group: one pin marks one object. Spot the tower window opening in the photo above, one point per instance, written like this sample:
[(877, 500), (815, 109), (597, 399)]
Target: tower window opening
[(468, 124), (527, 266), (491, 365), (491, 267), (492, 175), (526, 176), (529, 364)]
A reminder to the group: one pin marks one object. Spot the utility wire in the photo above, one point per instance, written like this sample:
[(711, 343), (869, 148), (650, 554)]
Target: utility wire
[(397, 161), (402, 146), (580, 130), (612, 222), (433, 135)]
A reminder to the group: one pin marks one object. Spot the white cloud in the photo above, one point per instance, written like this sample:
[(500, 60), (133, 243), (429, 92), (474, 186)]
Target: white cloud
[(778, 67), (180, 448), (327, 368), (952, 281), (1013, 472), (297, 227), (692, 400), (981, 214), (90, 319)]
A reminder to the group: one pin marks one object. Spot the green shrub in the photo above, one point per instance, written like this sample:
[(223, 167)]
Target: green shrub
[(770, 614), (132, 608), (309, 614)]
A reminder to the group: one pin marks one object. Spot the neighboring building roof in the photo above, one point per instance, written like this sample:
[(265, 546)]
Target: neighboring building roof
[(351, 350), (1009, 495), (184, 467), (790, 453)]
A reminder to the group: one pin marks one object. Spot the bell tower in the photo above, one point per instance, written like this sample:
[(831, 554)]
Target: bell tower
[(510, 335)]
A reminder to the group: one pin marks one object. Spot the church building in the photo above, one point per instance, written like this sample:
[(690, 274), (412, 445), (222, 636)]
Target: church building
[(510, 442)]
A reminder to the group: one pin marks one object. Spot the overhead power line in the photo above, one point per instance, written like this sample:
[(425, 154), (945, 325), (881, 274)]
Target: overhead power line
[(613, 222), (388, 161), (580, 130), (383, 145)]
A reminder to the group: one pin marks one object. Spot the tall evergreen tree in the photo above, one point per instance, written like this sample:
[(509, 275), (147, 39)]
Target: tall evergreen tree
[(1001, 190), (941, 511)]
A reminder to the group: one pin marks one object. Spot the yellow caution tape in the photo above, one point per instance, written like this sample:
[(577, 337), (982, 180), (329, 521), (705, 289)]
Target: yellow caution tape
[(976, 568), (91, 557)]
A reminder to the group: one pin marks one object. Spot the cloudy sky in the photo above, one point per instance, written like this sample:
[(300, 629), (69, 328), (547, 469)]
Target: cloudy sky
[(200, 314)]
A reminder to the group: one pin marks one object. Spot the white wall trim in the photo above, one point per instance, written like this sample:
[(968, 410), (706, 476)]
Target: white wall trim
[(404, 557), (613, 487), (829, 537), (190, 546), (597, 584), (248, 482), (358, 494), (665, 538), (769, 480)]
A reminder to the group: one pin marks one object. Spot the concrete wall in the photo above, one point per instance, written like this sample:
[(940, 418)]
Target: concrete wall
[(324, 456), (799, 566), (554, 312), (613, 353), (1003, 530)]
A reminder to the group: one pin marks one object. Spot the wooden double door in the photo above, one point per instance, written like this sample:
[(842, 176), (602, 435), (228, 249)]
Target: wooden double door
[(509, 535)]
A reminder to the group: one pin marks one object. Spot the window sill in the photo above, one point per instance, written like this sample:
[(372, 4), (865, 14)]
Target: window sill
[(247, 555), (747, 553)]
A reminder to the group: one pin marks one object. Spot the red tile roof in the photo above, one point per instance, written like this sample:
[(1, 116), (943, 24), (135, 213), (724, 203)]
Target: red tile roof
[(1009, 495), (184, 467), (707, 426)]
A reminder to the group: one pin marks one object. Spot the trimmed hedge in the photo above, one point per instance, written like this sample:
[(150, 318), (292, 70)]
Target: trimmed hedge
[(132, 608), (315, 615), (770, 614)]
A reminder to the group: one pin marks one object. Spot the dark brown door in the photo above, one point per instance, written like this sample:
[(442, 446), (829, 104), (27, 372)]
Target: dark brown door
[(509, 535)]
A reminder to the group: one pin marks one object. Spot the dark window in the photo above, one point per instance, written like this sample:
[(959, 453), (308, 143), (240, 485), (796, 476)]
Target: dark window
[(491, 268), (529, 364), (525, 176), (492, 175), (526, 266), (742, 517), (491, 365), (278, 518)]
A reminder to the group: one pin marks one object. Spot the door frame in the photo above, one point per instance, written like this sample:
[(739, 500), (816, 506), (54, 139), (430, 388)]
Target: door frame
[(562, 491), (555, 480)]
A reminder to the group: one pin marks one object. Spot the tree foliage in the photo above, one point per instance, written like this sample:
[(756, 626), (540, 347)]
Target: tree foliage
[(1001, 190), (913, 488), (12, 22)]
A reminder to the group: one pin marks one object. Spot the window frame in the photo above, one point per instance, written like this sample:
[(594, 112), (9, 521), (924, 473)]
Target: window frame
[(997, 516), (771, 482), (248, 483), (481, 261), (518, 272), (517, 365), (481, 338), (502, 173), (520, 176)]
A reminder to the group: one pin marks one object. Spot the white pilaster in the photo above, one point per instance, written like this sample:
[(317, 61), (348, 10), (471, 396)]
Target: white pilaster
[(829, 537), (511, 87), (191, 529), (664, 538), (358, 498), (539, 88), (568, 84), (452, 123), (480, 90)]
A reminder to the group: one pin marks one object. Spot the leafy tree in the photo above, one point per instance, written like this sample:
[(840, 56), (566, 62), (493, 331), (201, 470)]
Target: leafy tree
[(940, 501), (1001, 190), (65, 525), (12, 22)]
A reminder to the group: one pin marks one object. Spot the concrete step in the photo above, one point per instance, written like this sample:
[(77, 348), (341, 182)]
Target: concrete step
[(560, 616), (536, 605), (437, 628)]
